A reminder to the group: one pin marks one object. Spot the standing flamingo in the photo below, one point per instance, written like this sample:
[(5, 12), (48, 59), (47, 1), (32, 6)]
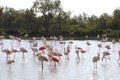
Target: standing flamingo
[(14, 51), (42, 59), (34, 51), (7, 51), (18, 40), (23, 50), (99, 46), (77, 52), (54, 59), (66, 53), (82, 51), (113, 41), (108, 47), (95, 59)]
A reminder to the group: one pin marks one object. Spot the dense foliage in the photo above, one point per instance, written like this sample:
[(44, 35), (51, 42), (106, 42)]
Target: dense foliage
[(47, 17)]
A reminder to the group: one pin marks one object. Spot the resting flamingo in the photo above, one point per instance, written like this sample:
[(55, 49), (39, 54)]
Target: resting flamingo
[(23, 50), (105, 55), (88, 43)]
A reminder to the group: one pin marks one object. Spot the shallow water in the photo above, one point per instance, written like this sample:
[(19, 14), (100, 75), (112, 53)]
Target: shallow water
[(72, 69)]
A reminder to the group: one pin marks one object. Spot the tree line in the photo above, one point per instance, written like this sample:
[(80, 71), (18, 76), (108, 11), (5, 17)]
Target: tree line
[(47, 17)]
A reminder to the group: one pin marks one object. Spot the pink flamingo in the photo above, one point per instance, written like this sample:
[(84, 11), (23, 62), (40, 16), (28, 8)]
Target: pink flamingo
[(42, 48), (7, 51), (54, 59), (14, 51)]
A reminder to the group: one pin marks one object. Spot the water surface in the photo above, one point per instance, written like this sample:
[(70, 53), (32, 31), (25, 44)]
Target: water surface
[(72, 69)]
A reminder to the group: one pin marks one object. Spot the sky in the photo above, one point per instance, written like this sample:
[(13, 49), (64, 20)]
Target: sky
[(90, 7)]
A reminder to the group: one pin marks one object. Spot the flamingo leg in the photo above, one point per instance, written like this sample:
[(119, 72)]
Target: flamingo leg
[(23, 57), (14, 55), (42, 65), (78, 56), (94, 66), (9, 67), (54, 64), (7, 57), (68, 57)]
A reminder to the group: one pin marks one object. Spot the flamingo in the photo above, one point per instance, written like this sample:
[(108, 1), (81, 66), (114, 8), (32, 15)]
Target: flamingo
[(99, 46), (66, 53), (42, 59), (56, 53), (18, 40), (10, 62), (83, 51), (7, 51), (34, 50), (12, 38), (77, 52), (35, 44), (42, 48), (14, 51), (95, 59), (23, 50), (71, 42), (113, 41), (62, 43), (88, 43), (105, 55), (108, 47), (54, 59)]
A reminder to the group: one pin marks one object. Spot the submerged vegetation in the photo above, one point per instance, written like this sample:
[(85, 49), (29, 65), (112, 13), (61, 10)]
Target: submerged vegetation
[(47, 17)]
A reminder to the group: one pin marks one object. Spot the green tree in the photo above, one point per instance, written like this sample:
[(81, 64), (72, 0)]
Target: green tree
[(116, 19), (49, 10)]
